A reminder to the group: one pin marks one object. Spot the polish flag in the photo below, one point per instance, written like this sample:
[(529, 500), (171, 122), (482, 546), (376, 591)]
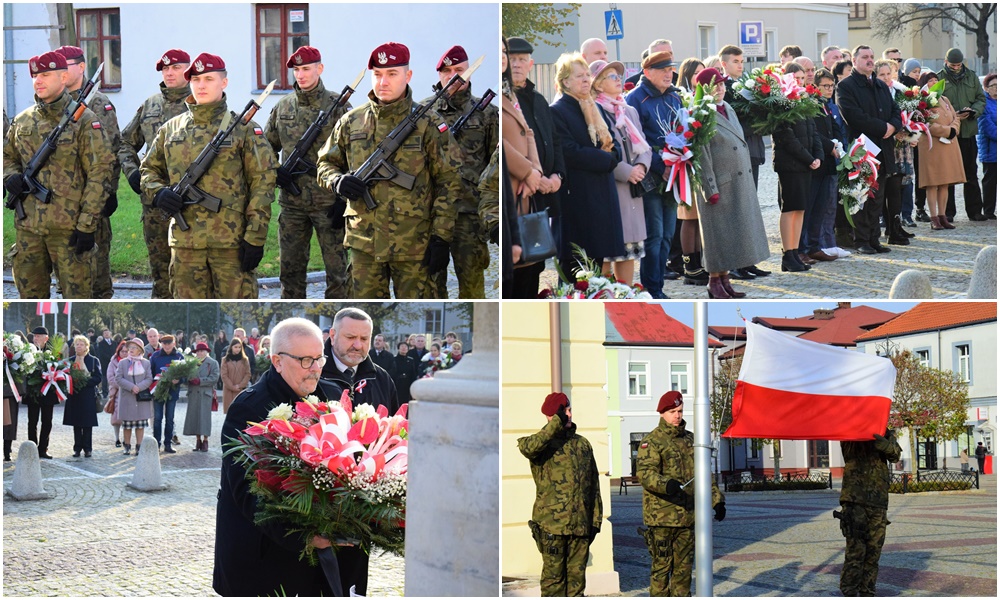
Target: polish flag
[(47, 308), (794, 389)]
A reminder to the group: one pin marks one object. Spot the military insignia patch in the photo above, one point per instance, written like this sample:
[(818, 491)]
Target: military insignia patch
[(165, 59), (443, 127), (198, 66), (95, 125), (382, 59), (108, 108), (447, 61), (52, 65), (298, 59), (34, 67), (258, 131), (644, 445)]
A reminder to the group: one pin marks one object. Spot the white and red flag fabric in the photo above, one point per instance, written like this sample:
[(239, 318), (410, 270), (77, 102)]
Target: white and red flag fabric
[(47, 308), (794, 389)]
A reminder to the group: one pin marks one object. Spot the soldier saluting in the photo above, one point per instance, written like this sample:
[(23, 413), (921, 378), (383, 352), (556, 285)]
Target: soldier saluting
[(568, 509), (216, 256), (154, 112), (57, 231), (665, 467), (475, 143), (399, 228), (311, 207)]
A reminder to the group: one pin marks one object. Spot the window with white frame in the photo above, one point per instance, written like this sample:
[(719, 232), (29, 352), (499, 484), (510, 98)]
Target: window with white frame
[(706, 40), (822, 41), (924, 356), (679, 377), (963, 358), (753, 451), (770, 44), (433, 320), (638, 379)]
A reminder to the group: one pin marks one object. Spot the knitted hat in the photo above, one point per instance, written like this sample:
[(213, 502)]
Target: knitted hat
[(553, 402), (910, 64), (671, 399), (954, 56)]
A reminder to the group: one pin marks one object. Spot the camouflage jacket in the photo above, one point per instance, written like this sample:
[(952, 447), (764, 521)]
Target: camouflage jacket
[(102, 107), (242, 176), (668, 453), (475, 143), (866, 472), (567, 484), (401, 225), (77, 172), (154, 112), (489, 193), (288, 122)]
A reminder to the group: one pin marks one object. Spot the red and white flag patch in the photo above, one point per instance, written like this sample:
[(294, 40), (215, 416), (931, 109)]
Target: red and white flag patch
[(443, 127), (96, 125), (108, 108), (258, 131)]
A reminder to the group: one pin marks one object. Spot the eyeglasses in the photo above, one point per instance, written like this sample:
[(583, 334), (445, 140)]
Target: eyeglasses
[(899, 60), (613, 77), (306, 361), (826, 86)]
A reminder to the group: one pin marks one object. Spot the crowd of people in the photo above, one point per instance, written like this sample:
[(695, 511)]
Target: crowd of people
[(593, 158)]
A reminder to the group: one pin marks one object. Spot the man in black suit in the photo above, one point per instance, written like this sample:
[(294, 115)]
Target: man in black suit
[(348, 363), (104, 349), (380, 354), (263, 560)]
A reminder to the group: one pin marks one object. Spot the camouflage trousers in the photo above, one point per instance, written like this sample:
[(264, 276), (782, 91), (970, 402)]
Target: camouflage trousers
[(103, 287), (370, 278), (470, 256), (673, 558), (155, 228), (864, 548), (207, 274), (564, 564), (295, 229), (35, 257)]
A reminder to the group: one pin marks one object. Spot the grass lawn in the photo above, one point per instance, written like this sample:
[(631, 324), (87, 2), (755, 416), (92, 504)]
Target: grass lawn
[(128, 249)]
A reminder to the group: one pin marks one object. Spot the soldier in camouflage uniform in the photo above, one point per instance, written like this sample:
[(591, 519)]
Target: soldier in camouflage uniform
[(665, 467), (864, 500), (489, 197), (568, 509), (217, 256), (479, 136), (405, 239), (58, 235), (141, 130), (101, 106), (311, 209)]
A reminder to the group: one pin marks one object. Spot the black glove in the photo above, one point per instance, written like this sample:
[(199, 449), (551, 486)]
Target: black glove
[(133, 182), (436, 257), (674, 487), (250, 256), (110, 205), (563, 417), (168, 200), (495, 234), (14, 186), (615, 157), (336, 214), (882, 444), (720, 511), (84, 242), (349, 187), (284, 177)]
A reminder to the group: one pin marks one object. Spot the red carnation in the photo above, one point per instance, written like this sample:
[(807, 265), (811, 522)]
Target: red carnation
[(695, 124), (922, 105), (581, 286), (688, 135), (793, 95), (679, 129), (765, 89), (811, 89), (908, 93)]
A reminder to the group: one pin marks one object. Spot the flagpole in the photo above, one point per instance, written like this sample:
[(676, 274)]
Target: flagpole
[(702, 457), (69, 321)]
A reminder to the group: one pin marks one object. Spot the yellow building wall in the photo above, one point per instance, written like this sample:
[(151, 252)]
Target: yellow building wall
[(526, 380)]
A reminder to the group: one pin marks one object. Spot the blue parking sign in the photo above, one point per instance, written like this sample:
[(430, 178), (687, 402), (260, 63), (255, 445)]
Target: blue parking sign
[(752, 38), (613, 27)]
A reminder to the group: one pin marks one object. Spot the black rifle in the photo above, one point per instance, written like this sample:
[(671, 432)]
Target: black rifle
[(187, 187), (479, 107), (377, 168), (296, 162), (74, 110)]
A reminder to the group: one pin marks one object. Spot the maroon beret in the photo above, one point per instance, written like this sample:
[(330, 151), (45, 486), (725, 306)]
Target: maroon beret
[(204, 63), (454, 55), (389, 54), (306, 55), (50, 61), (202, 346), (670, 400), (71, 52), (706, 76), (552, 403), (171, 57)]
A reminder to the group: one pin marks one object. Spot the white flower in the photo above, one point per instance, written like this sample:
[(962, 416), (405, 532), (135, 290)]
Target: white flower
[(598, 282), (363, 411), (311, 399), (750, 83), (281, 412)]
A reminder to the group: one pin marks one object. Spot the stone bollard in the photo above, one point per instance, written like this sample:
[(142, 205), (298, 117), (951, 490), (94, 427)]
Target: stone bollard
[(147, 476), (27, 482), (911, 284), (984, 274)]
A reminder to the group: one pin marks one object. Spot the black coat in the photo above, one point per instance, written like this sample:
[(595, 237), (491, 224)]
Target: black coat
[(592, 218), (372, 384), (755, 142), (105, 351), (416, 354), (383, 359), (258, 560), (826, 130), (81, 405), (796, 147), (511, 235), (538, 116), (867, 106), (404, 373)]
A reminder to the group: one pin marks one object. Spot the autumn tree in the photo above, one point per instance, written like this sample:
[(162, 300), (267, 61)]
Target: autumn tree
[(974, 17), (536, 23)]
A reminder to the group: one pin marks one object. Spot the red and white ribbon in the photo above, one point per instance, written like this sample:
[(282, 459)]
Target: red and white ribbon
[(680, 165), (868, 158), (360, 386), (52, 376), (155, 381), (916, 126), (10, 381)]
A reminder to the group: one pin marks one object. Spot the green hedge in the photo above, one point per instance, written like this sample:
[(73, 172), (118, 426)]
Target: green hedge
[(766, 486), (929, 486)]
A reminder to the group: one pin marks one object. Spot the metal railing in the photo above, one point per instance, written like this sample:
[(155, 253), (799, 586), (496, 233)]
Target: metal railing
[(754, 482), (943, 480)]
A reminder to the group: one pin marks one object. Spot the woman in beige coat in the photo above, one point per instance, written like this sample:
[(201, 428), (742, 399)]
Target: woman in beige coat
[(940, 157), (235, 369)]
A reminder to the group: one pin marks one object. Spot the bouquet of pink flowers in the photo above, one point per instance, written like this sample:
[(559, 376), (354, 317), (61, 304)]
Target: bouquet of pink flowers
[(773, 99), (909, 101), (687, 135), (589, 284), (331, 469), (857, 175)]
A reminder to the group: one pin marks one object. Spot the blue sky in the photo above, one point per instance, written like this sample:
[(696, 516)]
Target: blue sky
[(723, 313)]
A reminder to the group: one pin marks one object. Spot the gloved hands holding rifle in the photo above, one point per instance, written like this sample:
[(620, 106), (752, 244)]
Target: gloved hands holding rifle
[(349, 186), (168, 200), (14, 185)]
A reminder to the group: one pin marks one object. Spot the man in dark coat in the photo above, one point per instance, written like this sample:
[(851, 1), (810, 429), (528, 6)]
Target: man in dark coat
[(404, 373), (419, 348), (380, 354), (348, 363), (263, 560), (105, 351), (538, 116), (40, 406), (868, 108)]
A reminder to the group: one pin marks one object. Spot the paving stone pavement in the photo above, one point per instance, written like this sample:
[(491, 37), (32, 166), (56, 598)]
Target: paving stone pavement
[(788, 544), (96, 537), (947, 257)]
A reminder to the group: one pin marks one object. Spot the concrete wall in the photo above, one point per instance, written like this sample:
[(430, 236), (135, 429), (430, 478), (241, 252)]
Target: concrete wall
[(526, 379)]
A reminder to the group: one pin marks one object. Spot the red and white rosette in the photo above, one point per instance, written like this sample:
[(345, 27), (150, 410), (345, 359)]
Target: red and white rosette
[(868, 159), (679, 163), (916, 127), (51, 377)]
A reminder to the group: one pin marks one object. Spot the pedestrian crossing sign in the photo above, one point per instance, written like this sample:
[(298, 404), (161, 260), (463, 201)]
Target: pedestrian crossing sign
[(613, 25)]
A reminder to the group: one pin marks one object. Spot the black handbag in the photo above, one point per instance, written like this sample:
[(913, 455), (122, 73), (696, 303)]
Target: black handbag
[(647, 185), (537, 241), (144, 395)]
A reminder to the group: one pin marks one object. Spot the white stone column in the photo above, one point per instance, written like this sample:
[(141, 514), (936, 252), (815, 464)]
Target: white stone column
[(453, 507)]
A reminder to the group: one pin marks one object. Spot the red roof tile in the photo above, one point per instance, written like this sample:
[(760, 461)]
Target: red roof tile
[(931, 316), (728, 333), (842, 329), (642, 324)]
